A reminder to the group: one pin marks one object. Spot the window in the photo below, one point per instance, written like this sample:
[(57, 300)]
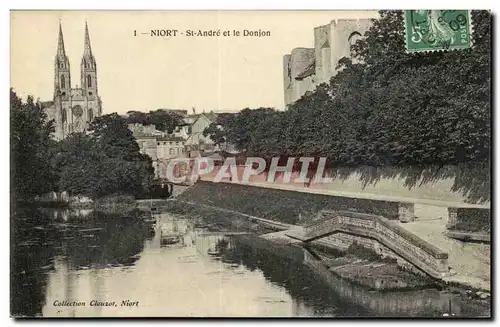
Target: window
[(91, 115), (353, 37), (171, 151), (90, 93), (89, 81), (63, 115), (63, 82)]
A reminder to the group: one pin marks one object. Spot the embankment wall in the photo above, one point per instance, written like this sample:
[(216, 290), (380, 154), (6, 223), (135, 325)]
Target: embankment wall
[(281, 205), (460, 184)]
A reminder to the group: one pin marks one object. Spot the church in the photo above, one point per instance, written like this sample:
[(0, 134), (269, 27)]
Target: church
[(72, 109)]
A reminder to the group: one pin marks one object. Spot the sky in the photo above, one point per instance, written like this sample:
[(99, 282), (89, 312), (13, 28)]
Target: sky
[(144, 72)]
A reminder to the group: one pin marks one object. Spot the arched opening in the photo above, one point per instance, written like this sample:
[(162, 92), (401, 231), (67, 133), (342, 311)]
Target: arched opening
[(63, 115), (63, 82), (91, 115), (89, 81), (353, 37)]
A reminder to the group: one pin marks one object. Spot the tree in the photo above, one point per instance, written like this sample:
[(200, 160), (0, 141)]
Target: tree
[(217, 131), (386, 107), (31, 145), (424, 108), (162, 119), (105, 162)]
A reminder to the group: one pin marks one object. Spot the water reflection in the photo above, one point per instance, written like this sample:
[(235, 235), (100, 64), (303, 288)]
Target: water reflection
[(212, 271), (32, 250)]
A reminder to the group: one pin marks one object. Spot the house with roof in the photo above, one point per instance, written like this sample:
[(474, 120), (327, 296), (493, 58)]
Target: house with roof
[(195, 125), (160, 146)]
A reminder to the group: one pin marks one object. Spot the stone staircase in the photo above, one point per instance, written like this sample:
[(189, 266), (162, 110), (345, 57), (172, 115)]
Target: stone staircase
[(379, 233)]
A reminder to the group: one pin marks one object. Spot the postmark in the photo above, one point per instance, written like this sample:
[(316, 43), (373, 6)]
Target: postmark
[(437, 30)]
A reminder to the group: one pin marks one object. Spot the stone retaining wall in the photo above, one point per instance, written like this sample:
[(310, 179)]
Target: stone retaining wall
[(400, 304), (361, 217), (475, 220), (468, 183), (281, 205)]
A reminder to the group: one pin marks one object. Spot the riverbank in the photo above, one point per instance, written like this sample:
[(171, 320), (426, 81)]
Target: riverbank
[(373, 272), (351, 268), (281, 208), (360, 266)]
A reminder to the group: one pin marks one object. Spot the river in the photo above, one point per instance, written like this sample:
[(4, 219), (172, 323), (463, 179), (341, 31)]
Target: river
[(88, 264)]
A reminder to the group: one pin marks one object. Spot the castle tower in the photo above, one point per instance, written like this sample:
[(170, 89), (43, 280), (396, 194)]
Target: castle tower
[(62, 78)]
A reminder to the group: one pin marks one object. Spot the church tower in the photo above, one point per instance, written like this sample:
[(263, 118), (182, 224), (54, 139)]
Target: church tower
[(73, 109), (62, 78), (89, 78)]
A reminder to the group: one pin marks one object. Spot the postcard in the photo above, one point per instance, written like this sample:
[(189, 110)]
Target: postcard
[(250, 164)]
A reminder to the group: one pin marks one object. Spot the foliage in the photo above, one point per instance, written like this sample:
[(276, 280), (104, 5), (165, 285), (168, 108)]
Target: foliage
[(217, 130), (163, 120), (30, 149), (105, 162), (384, 106)]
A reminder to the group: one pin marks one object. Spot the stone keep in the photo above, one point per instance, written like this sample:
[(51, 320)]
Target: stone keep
[(305, 68), (72, 109)]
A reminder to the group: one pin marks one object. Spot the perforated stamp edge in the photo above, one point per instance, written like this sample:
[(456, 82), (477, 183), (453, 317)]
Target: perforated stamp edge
[(471, 30)]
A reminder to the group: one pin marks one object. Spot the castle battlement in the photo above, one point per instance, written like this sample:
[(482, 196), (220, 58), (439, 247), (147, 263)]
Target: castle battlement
[(305, 68)]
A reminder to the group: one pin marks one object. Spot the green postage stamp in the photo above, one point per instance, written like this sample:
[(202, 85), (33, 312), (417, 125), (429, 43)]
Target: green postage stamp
[(434, 30)]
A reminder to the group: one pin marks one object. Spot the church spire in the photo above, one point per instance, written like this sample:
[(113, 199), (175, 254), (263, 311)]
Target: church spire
[(87, 50), (62, 78), (60, 44), (88, 67)]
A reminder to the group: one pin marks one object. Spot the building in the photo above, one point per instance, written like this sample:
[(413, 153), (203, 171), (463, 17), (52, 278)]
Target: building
[(195, 125), (305, 68), (187, 141), (72, 109), (160, 146)]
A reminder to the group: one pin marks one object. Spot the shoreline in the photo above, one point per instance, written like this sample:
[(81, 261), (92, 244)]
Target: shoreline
[(279, 237)]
